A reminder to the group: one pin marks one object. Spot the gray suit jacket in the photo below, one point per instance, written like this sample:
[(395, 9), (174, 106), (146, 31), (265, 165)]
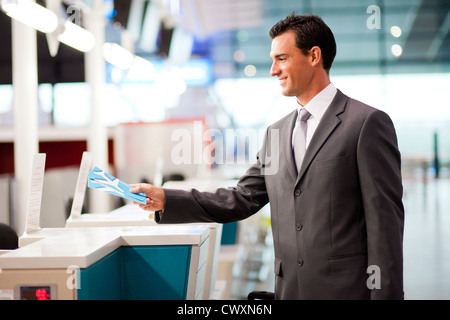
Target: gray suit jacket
[(341, 214)]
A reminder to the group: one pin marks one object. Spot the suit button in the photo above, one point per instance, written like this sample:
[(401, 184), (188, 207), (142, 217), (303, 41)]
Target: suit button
[(298, 226), (297, 192), (299, 262)]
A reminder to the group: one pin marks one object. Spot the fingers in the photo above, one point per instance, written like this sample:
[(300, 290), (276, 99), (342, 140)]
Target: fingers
[(136, 188), (149, 206), (155, 196), (141, 187), (141, 204)]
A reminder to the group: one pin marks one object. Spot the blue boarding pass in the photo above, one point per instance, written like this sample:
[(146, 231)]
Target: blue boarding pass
[(101, 180)]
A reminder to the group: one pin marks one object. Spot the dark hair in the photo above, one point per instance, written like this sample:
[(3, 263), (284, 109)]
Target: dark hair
[(310, 31)]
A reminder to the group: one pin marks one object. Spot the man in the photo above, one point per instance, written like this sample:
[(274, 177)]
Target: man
[(337, 216)]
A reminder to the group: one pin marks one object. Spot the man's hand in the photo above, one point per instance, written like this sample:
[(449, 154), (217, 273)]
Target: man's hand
[(156, 198)]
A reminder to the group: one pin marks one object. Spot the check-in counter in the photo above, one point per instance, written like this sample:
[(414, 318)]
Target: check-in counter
[(133, 215), (140, 262)]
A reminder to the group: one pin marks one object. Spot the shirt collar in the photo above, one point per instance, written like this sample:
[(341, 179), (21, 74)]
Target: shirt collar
[(319, 104)]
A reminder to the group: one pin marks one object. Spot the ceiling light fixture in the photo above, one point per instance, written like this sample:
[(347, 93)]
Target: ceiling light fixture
[(118, 55), (31, 14), (396, 50), (396, 31), (77, 37)]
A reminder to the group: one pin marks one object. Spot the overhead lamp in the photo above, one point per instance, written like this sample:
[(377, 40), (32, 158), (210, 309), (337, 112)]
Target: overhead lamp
[(31, 14), (118, 55), (396, 31), (77, 37), (396, 50)]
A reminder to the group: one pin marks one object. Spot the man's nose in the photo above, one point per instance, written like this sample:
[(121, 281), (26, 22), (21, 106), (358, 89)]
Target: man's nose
[(274, 70)]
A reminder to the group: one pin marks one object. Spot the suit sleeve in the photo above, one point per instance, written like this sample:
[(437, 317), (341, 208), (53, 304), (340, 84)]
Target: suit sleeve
[(379, 168), (222, 206)]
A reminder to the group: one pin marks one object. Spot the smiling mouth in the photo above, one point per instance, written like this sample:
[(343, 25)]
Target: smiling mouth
[(282, 81)]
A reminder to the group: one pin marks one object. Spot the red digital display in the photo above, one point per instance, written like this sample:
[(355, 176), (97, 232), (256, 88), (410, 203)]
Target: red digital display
[(35, 293), (42, 294)]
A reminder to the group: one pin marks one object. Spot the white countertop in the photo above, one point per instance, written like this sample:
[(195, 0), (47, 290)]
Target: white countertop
[(55, 248), (127, 215)]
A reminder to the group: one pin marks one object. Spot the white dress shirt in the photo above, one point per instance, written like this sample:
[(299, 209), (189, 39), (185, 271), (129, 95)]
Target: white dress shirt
[(316, 107)]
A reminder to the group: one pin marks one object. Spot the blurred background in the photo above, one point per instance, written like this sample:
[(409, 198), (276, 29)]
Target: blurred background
[(151, 67)]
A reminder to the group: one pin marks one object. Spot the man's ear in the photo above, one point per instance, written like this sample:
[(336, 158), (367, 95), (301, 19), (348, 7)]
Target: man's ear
[(316, 56)]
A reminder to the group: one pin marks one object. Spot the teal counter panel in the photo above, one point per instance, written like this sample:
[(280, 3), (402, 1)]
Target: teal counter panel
[(102, 280), (229, 233), (155, 273), (138, 272)]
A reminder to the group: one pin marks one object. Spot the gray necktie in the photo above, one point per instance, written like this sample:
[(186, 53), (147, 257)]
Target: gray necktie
[(300, 137)]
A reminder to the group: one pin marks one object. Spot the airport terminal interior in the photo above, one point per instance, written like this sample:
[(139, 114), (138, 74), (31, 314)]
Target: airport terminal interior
[(178, 93)]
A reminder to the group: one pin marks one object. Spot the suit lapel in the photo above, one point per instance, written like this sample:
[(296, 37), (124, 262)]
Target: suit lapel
[(286, 140), (328, 123)]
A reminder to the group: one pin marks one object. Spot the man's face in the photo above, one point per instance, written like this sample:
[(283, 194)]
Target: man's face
[(290, 65)]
